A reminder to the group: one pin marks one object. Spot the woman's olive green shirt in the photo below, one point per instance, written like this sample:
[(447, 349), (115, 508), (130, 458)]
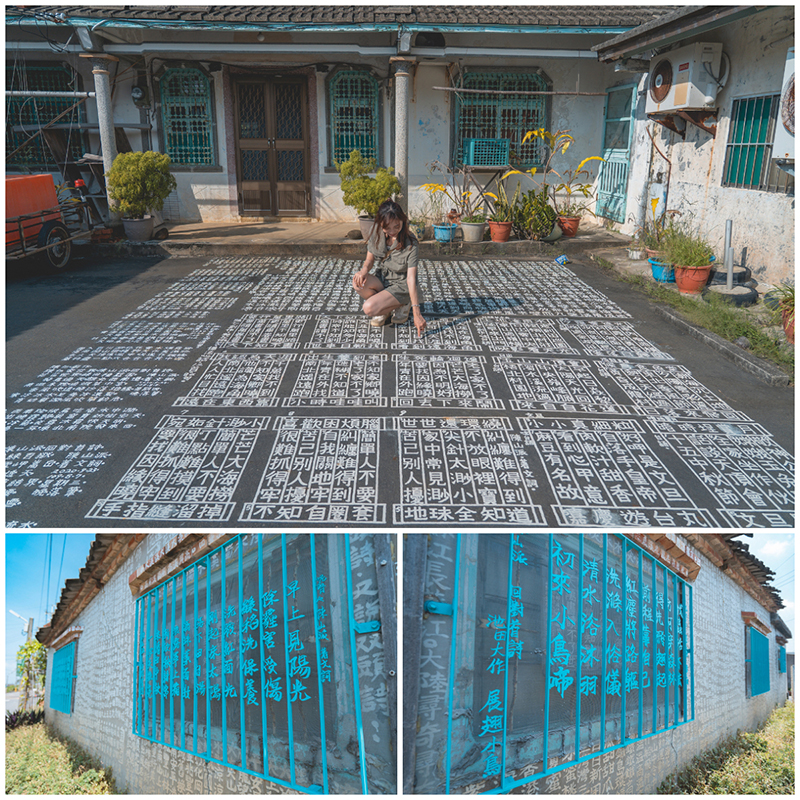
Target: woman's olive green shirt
[(392, 266)]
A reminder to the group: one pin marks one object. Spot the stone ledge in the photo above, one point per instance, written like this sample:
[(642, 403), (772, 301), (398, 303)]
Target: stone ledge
[(762, 369)]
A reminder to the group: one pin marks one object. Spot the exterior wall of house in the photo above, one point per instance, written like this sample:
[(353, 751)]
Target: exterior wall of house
[(102, 716), (763, 230), (721, 701), (722, 705)]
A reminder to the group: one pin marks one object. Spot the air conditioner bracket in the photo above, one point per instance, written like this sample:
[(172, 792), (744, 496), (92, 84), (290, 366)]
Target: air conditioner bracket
[(705, 120)]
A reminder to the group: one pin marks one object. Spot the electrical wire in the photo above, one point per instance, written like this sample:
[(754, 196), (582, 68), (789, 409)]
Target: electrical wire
[(63, 548), (49, 570)]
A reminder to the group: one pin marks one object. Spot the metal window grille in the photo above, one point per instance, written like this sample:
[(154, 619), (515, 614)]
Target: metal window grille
[(748, 154), (243, 660), (353, 98), (502, 116), (186, 116), (759, 663), (782, 660), (562, 647), (62, 678), (31, 113)]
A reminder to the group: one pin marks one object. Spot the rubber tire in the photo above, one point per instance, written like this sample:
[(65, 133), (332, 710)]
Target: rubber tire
[(743, 299), (54, 231), (721, 275)]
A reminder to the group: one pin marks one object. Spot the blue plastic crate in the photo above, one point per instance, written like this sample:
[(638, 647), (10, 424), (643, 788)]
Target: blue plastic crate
[(486, 152)]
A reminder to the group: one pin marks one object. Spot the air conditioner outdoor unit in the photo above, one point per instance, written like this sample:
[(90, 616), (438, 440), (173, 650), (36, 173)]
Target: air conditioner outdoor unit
[(783, 146), (686, 79)]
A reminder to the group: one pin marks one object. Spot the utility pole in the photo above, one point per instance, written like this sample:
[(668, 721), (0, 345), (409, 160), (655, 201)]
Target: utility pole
[(28, 630)]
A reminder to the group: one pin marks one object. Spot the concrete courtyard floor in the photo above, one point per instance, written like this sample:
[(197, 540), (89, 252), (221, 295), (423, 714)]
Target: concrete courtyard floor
[(247, 391)]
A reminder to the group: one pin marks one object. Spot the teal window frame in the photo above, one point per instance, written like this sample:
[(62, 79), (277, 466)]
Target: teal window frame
[(34, 112), (187, 117), (492, 110), (782, 660), (759, 663), (184, 650), (354, 115), (63, 672), (748, 152), (632, 591)]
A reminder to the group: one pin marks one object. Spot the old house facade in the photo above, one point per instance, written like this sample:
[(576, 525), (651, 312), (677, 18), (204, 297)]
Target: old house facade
[(230, 664), (581, 663)]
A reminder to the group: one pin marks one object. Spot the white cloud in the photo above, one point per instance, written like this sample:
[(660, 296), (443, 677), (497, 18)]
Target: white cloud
[(774, 547)]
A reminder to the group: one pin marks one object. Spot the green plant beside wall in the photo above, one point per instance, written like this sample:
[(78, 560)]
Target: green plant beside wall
[(684, 247), (139, 183), (31, 668), (361, 191)]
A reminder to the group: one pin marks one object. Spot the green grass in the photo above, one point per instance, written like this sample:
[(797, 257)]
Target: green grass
[(720, 317), (39, 762), (747, 763)]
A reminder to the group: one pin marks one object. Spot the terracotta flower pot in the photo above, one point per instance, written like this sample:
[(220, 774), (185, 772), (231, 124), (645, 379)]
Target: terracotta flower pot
[(500, 231), (787, 316), (569, 225), (653, 253), (692, 280)]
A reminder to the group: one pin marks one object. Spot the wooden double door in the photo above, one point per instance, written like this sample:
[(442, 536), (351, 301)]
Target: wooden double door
[(272, 147)]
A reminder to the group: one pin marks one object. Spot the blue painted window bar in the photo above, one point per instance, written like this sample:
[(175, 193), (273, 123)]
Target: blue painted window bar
[(566, 646), (62, 678), (242, 659)]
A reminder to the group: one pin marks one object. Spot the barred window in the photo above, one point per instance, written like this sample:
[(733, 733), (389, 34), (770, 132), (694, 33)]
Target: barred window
[(748, 154), (353, 103), (247, 658), (62, 678), (565, 646), (26, 115), (759, 662), (187, 117), (500, 112)]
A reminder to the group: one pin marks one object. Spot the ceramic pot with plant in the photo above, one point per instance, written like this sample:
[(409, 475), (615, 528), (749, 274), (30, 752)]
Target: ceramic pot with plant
[(138, 184), (363, 192), (473, 227), (502, 218), (691, 257), (538, 217)]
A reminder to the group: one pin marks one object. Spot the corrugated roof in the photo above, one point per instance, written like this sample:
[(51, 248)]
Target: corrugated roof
[(548, 15), (758, 569)]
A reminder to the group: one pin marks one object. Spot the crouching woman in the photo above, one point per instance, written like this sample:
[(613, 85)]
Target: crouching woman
[(392, 291)]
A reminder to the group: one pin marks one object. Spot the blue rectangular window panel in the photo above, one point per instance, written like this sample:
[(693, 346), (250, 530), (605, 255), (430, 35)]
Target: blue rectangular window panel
[(782, 660), (62, 678), (246, 658), (187, 116), (353, 97), (564, 646), (759, 663)]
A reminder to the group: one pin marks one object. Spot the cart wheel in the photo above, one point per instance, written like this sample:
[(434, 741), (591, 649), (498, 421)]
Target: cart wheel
[(54, 233)]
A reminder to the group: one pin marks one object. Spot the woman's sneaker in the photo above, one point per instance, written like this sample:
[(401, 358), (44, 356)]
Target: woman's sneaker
[(379, 322), (401, 314)]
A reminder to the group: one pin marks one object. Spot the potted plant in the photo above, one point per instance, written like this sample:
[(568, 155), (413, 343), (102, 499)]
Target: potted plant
[(363, 192), (571, 211), (785, 303), (418, 219), (691, 257), (139, 183), (501, 219), (454, 194), (654, 231), (537, 217), (473, 227)]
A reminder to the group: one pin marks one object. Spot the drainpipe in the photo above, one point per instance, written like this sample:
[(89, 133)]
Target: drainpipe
[(402, 75), (105, 116)]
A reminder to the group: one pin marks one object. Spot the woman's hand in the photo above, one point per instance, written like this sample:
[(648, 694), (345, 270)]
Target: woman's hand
[(359, 279), (419, 322)]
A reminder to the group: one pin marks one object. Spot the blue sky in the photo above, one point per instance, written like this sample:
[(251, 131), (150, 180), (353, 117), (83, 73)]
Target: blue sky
[(28, 591)]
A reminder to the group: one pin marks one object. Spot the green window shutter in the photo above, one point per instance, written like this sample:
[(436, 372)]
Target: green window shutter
[(782, 660), (61, 681), (496, 112), (186, 116), (759, 663), (353, 102)]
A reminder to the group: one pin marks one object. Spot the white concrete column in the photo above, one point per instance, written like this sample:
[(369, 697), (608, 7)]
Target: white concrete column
[(402, 78), (105, 114)]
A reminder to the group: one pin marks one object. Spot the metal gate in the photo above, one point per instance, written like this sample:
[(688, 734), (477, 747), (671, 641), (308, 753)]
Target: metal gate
[(612, 191), (272, 148), (272, 655)]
